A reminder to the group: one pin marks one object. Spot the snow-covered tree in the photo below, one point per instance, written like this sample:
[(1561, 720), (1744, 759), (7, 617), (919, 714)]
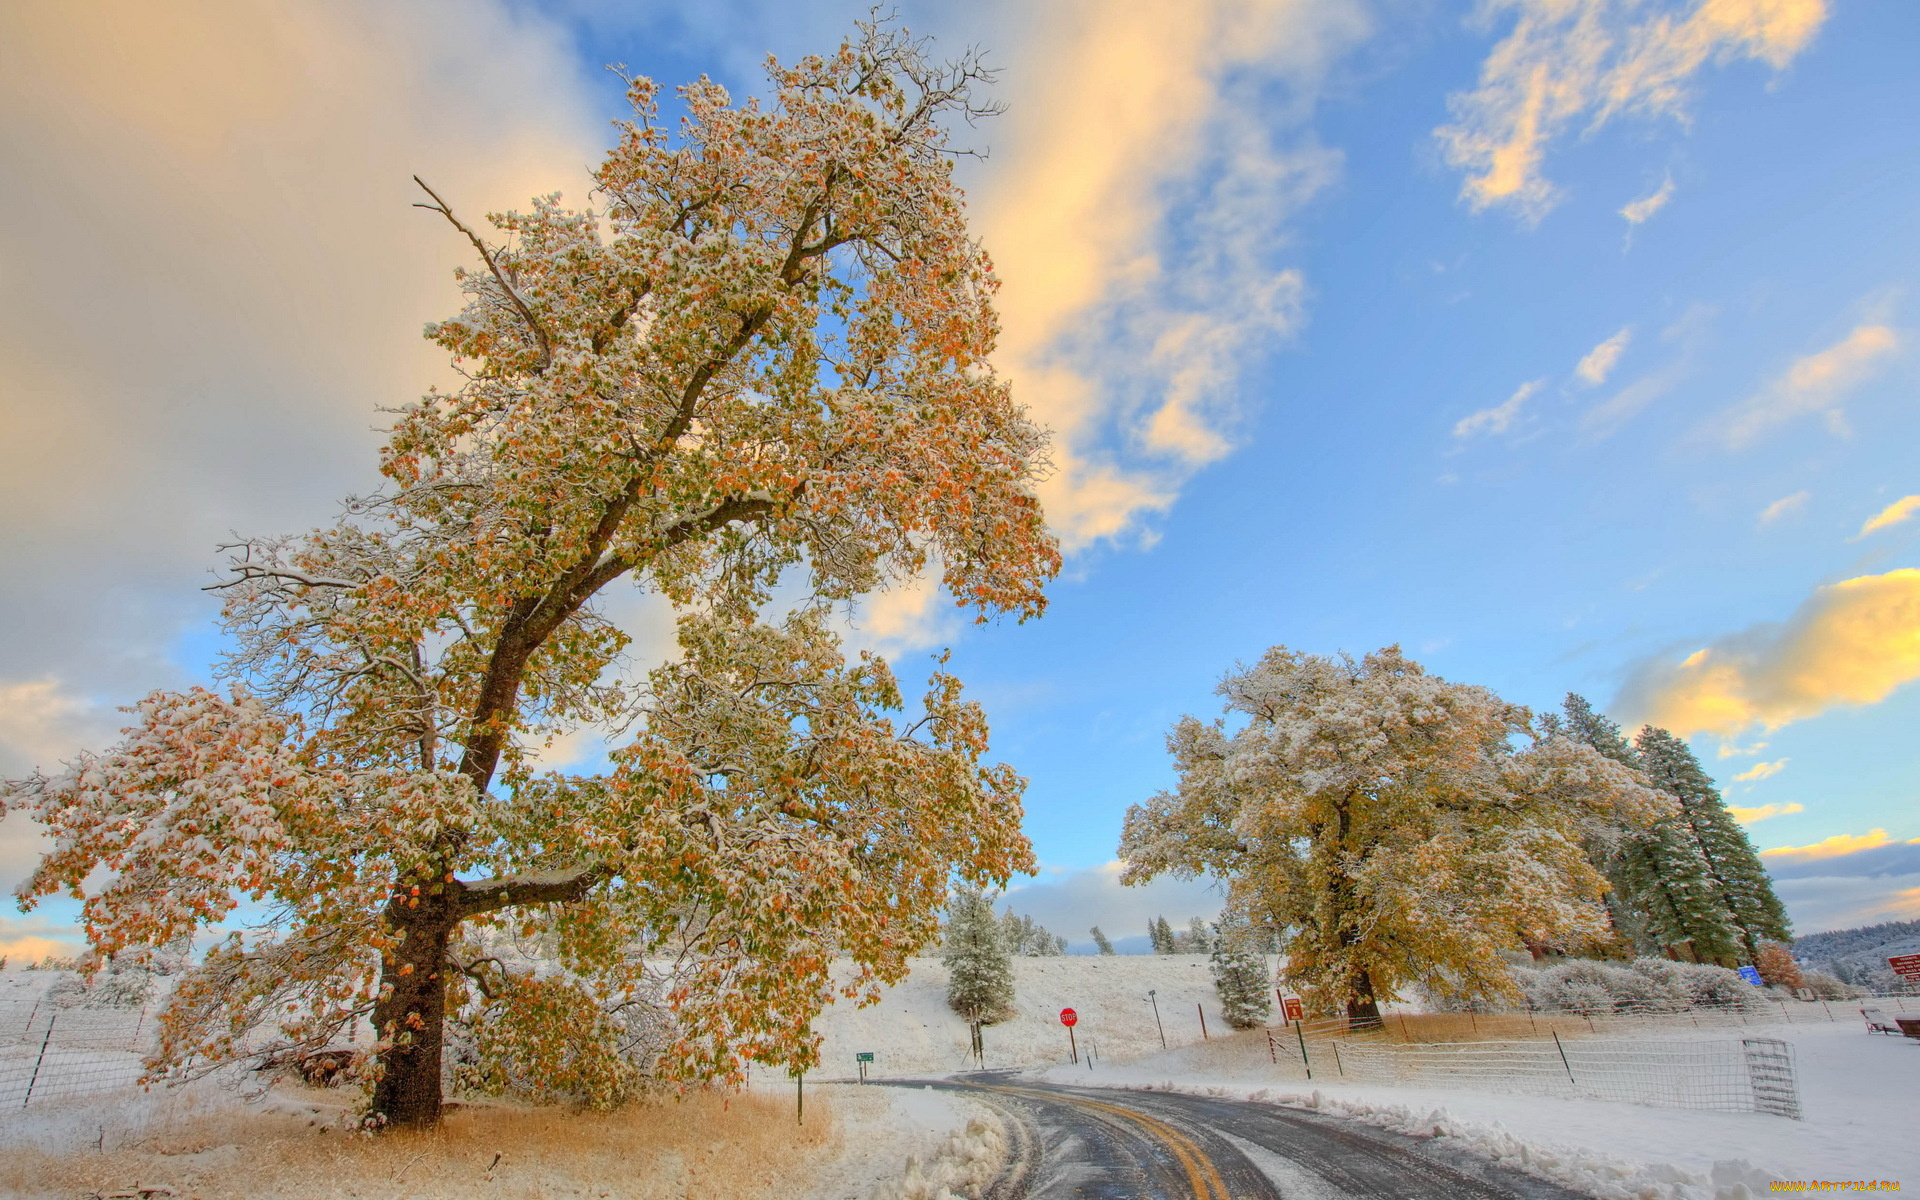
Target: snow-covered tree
[(1100, 941), (1161, 935), (1402, 828), (1663, 898), (766, 354), (979, 964), (1196, 938), (1240, 974), (1026, 937), (1740, 882)]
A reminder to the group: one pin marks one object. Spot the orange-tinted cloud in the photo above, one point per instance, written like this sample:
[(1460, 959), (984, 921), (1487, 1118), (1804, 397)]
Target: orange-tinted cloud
[(1892, 514), (1850, 643), (1583, 62), (1138, 186), (1639, 212), (1838, 844), (1749, 816), (1816, 385), (1784, 505), (1598, 363), (1759, 771)]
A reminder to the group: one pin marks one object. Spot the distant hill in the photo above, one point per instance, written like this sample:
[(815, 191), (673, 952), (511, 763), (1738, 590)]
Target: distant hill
[(1859, 956)]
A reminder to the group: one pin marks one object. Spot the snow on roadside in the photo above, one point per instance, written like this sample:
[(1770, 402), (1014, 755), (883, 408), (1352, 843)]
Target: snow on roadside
[(905, 1143), (1857, 1095)]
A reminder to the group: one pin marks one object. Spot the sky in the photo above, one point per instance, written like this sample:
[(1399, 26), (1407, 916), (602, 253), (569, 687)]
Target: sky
[(1568, 344)]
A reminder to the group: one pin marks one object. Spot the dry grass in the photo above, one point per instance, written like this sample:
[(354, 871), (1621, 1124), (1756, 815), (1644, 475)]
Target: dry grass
[(708, 1144), (1481, 1027)]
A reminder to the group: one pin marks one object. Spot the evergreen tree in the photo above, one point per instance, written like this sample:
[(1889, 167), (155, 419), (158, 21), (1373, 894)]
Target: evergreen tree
[(1024, 936), (1100, 940), (1661, 895), (1161, 935), (1239, 975), (979, 969), (1197, 939), (1744, 888)]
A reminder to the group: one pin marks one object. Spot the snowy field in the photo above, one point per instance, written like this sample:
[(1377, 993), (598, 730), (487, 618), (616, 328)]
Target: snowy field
[(1858, 1094)]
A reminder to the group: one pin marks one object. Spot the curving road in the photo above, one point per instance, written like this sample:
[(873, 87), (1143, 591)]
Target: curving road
[(1106, 1144)]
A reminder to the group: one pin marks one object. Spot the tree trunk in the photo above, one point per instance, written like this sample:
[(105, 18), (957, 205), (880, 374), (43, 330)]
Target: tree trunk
[(1363, 1010), (410, 1015)]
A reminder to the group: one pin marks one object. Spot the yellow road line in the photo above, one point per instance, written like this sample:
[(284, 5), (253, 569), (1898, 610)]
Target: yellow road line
[(1201, 1173)]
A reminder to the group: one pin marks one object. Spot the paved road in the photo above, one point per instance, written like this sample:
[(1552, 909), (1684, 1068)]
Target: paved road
[(1107, 1144)]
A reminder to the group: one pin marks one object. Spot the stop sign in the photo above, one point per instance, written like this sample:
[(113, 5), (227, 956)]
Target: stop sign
[(1068, 1017)]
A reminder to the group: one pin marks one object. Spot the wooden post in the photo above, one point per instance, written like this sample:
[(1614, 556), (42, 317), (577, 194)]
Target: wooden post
[(1203, 1022), (1303, 1047), (799, 1098), (1073, 1047), (1271, 1052)]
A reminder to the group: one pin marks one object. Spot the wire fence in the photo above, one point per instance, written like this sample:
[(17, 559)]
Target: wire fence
[(52, 1053), (1725, 1075), (1623, 1019)]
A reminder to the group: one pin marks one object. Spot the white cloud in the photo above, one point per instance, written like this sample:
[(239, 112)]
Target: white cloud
[(1139, 191), (1599, 361), (1069, 903), (1832, 847), (1638, 212), (1815, 385), (1571, 63), (1891, 515), (1500, 417), (1783, 506)]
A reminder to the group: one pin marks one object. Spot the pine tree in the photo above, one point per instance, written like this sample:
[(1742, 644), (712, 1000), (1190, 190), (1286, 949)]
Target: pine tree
[(1161, 935), (1239, 975), (979, 969), (1661, 894), (1197, 939), (1100, 940), (1745, 891)]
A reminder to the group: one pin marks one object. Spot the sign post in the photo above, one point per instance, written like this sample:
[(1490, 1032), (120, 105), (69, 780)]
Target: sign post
[(1070, 1018), (861, 1060)]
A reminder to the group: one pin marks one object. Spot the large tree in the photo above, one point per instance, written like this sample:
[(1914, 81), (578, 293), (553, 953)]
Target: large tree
[(762, 354), (1400, 828)]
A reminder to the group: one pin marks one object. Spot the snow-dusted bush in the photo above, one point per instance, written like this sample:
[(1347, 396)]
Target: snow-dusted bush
[(1826, 987), (118, 986), (1646, 985)]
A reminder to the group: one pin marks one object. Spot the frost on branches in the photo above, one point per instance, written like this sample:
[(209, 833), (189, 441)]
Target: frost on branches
[(1399, 828), (763, 354)]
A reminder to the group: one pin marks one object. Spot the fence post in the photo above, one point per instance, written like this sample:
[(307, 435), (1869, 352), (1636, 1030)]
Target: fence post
[(1304, 1061), (43, 1057), (1563, 1058), (1338, 1065), (1271, 1052), (1203, 1022)]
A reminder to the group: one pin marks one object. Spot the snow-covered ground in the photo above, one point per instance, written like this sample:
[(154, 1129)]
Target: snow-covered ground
[(1860, 1095), (912, 1031)]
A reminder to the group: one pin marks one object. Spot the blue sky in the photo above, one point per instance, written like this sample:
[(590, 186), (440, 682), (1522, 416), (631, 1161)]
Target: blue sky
[(1559, 343)]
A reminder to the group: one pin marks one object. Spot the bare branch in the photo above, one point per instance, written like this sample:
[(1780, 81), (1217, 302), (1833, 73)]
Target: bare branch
[(526, 314)]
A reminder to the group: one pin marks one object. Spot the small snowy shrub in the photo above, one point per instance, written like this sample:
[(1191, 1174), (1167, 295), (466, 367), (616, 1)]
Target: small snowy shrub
[(1648, 985), (1826, 987)]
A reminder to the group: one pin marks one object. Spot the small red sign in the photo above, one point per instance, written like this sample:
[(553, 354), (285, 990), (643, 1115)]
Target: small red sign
[(1295, 1010), (1907, 965), (1068, 1017)]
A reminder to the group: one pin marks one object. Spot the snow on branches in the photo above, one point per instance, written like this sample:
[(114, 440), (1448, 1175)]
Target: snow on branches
[(1401, 828), (764, 356)]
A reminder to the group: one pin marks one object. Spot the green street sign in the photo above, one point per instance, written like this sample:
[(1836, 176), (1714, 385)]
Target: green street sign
[(864, 1056)]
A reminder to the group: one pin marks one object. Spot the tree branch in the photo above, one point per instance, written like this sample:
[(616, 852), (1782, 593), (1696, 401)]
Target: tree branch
[(486, 255), (561, 886)]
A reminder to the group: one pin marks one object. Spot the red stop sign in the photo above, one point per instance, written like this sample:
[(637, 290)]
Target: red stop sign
[(1068, 1017)]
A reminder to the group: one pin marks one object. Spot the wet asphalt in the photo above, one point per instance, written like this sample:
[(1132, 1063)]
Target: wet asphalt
[(1111, 1144)]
